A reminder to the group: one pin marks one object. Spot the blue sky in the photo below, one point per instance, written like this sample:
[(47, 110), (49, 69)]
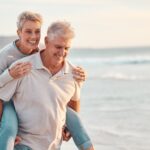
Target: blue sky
[(97, 23)]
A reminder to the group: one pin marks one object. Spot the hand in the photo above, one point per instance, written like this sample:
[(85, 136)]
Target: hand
[(17, 140), (20, 70), (66, 134), (79, 74)]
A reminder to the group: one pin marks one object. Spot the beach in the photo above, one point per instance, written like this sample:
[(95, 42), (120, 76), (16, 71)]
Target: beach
[(115, 104), (115, 98)]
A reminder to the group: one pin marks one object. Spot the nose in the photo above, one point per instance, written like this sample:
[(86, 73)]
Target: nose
[(34, 35), (62, 51)]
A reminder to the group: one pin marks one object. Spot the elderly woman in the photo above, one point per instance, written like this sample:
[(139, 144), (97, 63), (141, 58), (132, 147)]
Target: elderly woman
[(29, 32)]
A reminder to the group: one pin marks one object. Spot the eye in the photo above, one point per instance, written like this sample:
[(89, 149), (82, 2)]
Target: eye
[(38, 31), (67, 48), (28, 31), (58, 47)]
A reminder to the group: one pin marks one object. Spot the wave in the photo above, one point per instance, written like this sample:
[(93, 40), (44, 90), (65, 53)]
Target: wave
[(118, 76), (120, 60), (121, 76)]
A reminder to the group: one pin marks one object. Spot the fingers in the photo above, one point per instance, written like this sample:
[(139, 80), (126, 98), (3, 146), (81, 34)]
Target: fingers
[(17, 140), (23, 68), (78, 77), (20, 69), (66, 134), (23, 65), (79, 74)]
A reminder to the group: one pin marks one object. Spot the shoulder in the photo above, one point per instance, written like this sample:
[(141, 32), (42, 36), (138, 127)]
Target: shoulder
[(6, 57), (6, 49), (30, 58), (69, 65)]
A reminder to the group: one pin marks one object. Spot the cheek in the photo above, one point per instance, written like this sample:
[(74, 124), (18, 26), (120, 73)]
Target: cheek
[(39, 36), (23, 37), (23, 41), (66, 53)]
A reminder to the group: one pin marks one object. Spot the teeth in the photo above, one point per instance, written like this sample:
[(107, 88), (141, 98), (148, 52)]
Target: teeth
[(32, 42)]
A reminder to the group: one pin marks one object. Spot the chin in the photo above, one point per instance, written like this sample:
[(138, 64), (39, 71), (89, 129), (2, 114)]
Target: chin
[(58, 62)]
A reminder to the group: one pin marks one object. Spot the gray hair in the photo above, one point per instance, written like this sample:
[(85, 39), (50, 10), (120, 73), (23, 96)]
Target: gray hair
[(60, 29), (28, 16)]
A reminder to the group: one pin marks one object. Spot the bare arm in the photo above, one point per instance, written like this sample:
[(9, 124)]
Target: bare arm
[(75, 105)]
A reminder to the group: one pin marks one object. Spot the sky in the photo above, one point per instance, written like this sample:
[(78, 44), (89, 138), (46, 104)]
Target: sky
[(97, 23)]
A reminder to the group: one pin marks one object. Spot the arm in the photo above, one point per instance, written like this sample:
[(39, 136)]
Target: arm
[(15, 72), (4, 63), (75, 105), (74, 102), (9, 89), (5, 78), (6, 92)]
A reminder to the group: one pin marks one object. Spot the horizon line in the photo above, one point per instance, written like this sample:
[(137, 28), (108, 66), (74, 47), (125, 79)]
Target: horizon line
[(90, 47)]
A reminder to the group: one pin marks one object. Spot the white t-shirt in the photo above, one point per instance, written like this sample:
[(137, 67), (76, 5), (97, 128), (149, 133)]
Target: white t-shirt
[(40, 101)]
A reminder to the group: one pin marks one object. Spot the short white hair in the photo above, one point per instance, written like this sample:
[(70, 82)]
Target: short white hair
[(60, 29), (28, 16)]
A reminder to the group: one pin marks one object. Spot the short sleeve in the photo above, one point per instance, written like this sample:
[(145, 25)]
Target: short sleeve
[(5, 77), (76, 95), (8, 90)]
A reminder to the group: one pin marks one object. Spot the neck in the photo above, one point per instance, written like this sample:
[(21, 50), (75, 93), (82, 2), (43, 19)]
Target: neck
[(23, 50), (53, 68), (20, 47)]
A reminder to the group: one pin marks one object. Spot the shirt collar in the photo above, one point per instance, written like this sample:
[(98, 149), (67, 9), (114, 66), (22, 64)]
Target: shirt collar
[(67, 68), (38, 64)]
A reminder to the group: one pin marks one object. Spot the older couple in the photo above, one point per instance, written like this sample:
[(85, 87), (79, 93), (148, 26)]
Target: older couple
[(40, 88)]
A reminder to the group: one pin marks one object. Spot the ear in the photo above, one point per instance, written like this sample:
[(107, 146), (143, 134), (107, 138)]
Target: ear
[(46, 40), (18, 33)]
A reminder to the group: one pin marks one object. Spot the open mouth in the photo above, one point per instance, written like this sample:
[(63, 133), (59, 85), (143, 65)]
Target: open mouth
[(32, 42)]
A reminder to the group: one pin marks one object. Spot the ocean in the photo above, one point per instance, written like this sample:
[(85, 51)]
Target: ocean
[(115, 98)]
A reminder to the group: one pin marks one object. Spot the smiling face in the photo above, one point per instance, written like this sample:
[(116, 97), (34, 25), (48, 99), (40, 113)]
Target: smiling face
[(29, 36), (57, 50)]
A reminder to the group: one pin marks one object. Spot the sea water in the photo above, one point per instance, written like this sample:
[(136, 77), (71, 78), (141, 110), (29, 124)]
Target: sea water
[(115, 98)]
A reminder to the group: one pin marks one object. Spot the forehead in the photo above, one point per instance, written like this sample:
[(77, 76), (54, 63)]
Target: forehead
[(61, 41), (31, 25)]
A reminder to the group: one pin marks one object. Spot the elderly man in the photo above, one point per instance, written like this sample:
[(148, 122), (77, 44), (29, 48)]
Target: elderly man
[(41, 97)]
